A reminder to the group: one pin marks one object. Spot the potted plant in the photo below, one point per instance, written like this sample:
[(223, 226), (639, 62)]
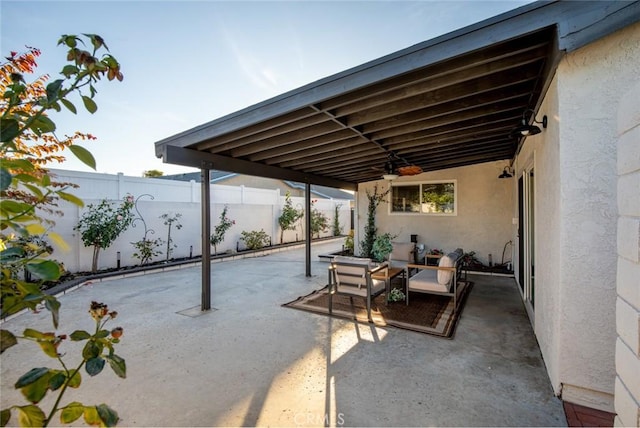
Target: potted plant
[(382, 247), (433, 256), (396, 295)]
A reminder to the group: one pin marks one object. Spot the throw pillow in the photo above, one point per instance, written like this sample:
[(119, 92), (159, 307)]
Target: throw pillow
[(444, 276)]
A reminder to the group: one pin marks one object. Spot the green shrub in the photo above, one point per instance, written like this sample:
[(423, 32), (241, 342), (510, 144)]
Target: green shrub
[(254, 240)]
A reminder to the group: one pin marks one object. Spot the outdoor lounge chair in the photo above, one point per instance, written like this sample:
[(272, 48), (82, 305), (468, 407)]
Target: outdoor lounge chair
[(351, 276), (441, 279)]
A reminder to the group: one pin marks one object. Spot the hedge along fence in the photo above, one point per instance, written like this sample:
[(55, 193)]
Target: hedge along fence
[(251, 208)]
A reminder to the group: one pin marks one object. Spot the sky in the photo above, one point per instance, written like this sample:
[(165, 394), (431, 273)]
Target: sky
[(186, 63)]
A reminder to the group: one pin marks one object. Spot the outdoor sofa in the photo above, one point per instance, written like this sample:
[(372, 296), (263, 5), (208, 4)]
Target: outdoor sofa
[(442, 279)]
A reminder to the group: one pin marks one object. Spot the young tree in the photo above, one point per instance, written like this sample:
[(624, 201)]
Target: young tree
[(289, 216), (319, 221), (217, 237), (102, 224)]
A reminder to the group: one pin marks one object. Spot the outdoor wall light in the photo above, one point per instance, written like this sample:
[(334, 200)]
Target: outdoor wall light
[(524, 130), (507, 172)]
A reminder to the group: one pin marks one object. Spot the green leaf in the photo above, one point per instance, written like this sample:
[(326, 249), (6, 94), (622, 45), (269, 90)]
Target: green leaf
[(83, 155), (5, 179), (35, 392), (69, 70), (7, 340), (69, 105), (108, 415), (46, 270), (42, 125), (71, 198), (118, 365), (32, 334), (89, 104), (11, 253), (79, 335), (9, 129), (94, 366), (102, 334), (23, 164), (91, 416), (25, 178), (37, 192), (71, 412), (48, 348), (30, 416), (5, 415), (53, 306), (69, 40), (31, 376), (46, 180), (12, 207), (90, 350), (57, 379), (75, 380)]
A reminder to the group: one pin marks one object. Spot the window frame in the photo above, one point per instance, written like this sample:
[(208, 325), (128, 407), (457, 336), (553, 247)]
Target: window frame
[(390, 210)]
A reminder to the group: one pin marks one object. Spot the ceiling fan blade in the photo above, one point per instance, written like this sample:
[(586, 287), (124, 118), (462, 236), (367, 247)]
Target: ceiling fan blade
[(409, 170)]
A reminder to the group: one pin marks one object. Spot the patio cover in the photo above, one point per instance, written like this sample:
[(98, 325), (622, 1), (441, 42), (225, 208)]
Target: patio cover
[(447, 102)]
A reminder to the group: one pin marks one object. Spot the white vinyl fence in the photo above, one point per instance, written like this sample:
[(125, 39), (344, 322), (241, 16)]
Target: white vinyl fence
[(252, 210)]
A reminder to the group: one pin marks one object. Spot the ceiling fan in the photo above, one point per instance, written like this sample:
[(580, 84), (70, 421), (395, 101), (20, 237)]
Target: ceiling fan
[(391, 171)]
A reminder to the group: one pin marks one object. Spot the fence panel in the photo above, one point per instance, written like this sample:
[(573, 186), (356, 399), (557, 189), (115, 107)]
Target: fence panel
[(252, 209)]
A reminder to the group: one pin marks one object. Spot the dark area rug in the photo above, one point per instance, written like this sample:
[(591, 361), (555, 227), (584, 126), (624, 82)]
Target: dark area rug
[(426, 313)]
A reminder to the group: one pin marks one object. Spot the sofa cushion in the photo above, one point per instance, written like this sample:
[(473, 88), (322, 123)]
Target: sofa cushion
[(444, 276), (427, 280), (402, 251), (450, 260)]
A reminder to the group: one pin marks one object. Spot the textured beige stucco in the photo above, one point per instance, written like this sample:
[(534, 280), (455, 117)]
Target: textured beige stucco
[(627, 387), (542, 152), (482, 224), (575, 162)]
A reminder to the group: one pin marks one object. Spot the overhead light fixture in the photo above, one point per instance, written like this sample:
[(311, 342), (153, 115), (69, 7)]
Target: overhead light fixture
[(524, 130), (507, 172), (390, 173)]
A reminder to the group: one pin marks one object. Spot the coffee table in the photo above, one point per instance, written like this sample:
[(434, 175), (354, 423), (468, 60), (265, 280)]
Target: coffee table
[(390, 275)]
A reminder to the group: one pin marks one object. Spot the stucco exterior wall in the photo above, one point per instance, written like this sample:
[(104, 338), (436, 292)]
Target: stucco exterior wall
[(483, 223), (591, 83), (541, 152), (574, 160), (627, 385)]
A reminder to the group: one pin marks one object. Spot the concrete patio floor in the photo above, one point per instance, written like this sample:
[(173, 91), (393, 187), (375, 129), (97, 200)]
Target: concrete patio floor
[(251, 362)]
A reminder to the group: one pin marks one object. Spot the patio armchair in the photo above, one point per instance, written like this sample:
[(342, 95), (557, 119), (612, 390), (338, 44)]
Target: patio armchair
[(402, 254), (442, 279), (351, 276)]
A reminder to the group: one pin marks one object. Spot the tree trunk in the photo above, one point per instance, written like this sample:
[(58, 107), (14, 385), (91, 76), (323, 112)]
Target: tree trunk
[(94, 263)]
